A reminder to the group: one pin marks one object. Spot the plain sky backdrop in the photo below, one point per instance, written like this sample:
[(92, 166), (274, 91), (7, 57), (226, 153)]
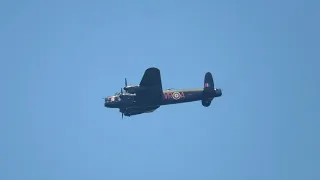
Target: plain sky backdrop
[(59, 58)]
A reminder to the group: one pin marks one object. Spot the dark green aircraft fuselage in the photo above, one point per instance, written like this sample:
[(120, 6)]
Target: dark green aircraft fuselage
[(127, 101), (169, 97), (181, 96)]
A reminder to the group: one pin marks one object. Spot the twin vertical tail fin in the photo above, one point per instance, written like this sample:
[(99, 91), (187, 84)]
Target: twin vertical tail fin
[(208, 90), (208, 81)]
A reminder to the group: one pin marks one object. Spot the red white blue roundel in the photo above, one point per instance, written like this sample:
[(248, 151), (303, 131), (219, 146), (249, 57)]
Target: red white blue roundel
[(176, 95)]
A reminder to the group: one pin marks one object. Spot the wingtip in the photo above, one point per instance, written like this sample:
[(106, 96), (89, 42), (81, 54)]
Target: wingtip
[(153, 68)]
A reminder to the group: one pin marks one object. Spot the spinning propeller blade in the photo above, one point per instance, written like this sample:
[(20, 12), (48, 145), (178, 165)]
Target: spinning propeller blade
[(125, 82)]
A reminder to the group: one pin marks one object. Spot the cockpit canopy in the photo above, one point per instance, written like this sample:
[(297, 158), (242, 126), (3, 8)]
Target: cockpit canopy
[(114, 98)]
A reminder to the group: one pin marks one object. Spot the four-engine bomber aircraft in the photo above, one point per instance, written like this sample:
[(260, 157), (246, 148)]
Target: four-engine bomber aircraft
[(149, 96)]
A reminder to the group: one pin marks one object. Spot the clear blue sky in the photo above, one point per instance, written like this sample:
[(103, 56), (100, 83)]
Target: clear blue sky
[(59, 58)]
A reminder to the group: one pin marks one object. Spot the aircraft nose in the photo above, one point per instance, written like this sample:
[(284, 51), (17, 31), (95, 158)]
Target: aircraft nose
[(106, 104)]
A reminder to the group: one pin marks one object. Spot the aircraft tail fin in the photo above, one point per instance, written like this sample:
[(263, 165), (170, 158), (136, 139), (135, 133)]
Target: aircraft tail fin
[(208, 90), (208, 83), (208, 80)]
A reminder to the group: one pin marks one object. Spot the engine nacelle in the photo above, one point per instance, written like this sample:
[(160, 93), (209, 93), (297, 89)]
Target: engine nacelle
[(132, 89)]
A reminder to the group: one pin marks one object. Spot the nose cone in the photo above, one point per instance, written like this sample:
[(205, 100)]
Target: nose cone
[(111, 102), (218, 92), (106, 103)]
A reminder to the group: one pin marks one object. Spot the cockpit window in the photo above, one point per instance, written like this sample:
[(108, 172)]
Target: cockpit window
[(113, 99)]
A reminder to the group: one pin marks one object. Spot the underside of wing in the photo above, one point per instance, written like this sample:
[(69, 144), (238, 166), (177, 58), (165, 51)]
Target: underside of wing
[(139, 110), (152, 85)]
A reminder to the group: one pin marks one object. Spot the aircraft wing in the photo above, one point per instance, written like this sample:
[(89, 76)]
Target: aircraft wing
[(151, 85), (140, 110)]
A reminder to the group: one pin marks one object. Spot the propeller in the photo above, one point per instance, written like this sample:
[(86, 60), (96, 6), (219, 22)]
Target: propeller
[(125, 84), (122, 115), (121, 93)]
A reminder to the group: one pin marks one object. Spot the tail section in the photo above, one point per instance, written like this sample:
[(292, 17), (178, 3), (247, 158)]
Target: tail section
[(208, 88), (209, 92), (208, 81)]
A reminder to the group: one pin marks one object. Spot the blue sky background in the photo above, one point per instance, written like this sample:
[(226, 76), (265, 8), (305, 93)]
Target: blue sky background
[(59, 58)]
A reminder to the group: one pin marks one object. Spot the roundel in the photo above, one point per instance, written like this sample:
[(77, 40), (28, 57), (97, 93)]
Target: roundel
[(176, 95)]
